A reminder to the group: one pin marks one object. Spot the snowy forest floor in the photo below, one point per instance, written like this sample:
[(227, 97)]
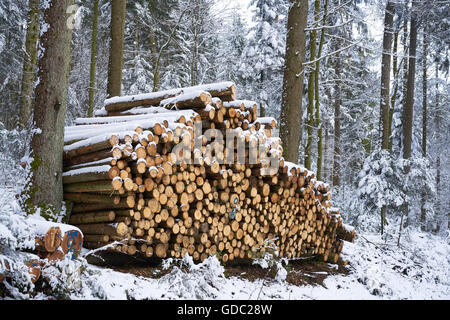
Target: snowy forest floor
[(377, 269)]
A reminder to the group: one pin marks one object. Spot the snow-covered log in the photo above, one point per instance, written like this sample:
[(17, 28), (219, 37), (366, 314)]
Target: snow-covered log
[(226, 91)]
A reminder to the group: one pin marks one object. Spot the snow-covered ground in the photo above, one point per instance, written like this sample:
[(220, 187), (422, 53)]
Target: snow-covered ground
[(419, 269), (377, 271)]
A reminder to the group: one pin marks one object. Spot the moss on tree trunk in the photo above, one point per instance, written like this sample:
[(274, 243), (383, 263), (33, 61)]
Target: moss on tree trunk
[(50, 109)]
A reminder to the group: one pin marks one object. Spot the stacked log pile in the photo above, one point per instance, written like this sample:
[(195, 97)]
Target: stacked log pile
[(130, 194)]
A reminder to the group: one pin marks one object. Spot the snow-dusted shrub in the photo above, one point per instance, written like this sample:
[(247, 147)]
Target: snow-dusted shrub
[(268, 257), (15, 236), (190, 280), (64, 278)]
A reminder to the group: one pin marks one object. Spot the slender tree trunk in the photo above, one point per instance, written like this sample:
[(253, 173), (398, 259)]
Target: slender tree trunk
[(325, 152), (136, 41), (118, 10), (194, 62), (424, 117), (154, 49), (424, 94), (394, 94), (316, 92), (311, 82), (93, 59), (291, 107), (408, 111), (386, 74), (408, 108), (29, 63), (438, 158), (385, 86), (163, 47), (405, 71), (50, 108), (262, 108), (337, 124)]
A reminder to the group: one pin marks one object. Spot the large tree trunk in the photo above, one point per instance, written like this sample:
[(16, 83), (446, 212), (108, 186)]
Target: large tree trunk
[(29, 63), (385, 86), (386, 74), (291, 107), (93, 59), (408, 108), (50, 108), (118, 10)]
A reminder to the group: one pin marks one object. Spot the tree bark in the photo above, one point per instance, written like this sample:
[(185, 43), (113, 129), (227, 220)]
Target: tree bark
[(386, 74), (154, 50), (408, 109), (424, 93), (118, 10), (311, 83), (93, 59), (29, 63), (326, 173), (409, 103), (385, 86), (394, 94), (50, 108), (337, 124), (405, 67), (438, 158), (291, 108), (316, 93), (195, 44), (424, 116)]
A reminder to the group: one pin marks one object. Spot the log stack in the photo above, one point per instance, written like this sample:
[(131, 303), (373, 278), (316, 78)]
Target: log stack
[(131, 195)]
